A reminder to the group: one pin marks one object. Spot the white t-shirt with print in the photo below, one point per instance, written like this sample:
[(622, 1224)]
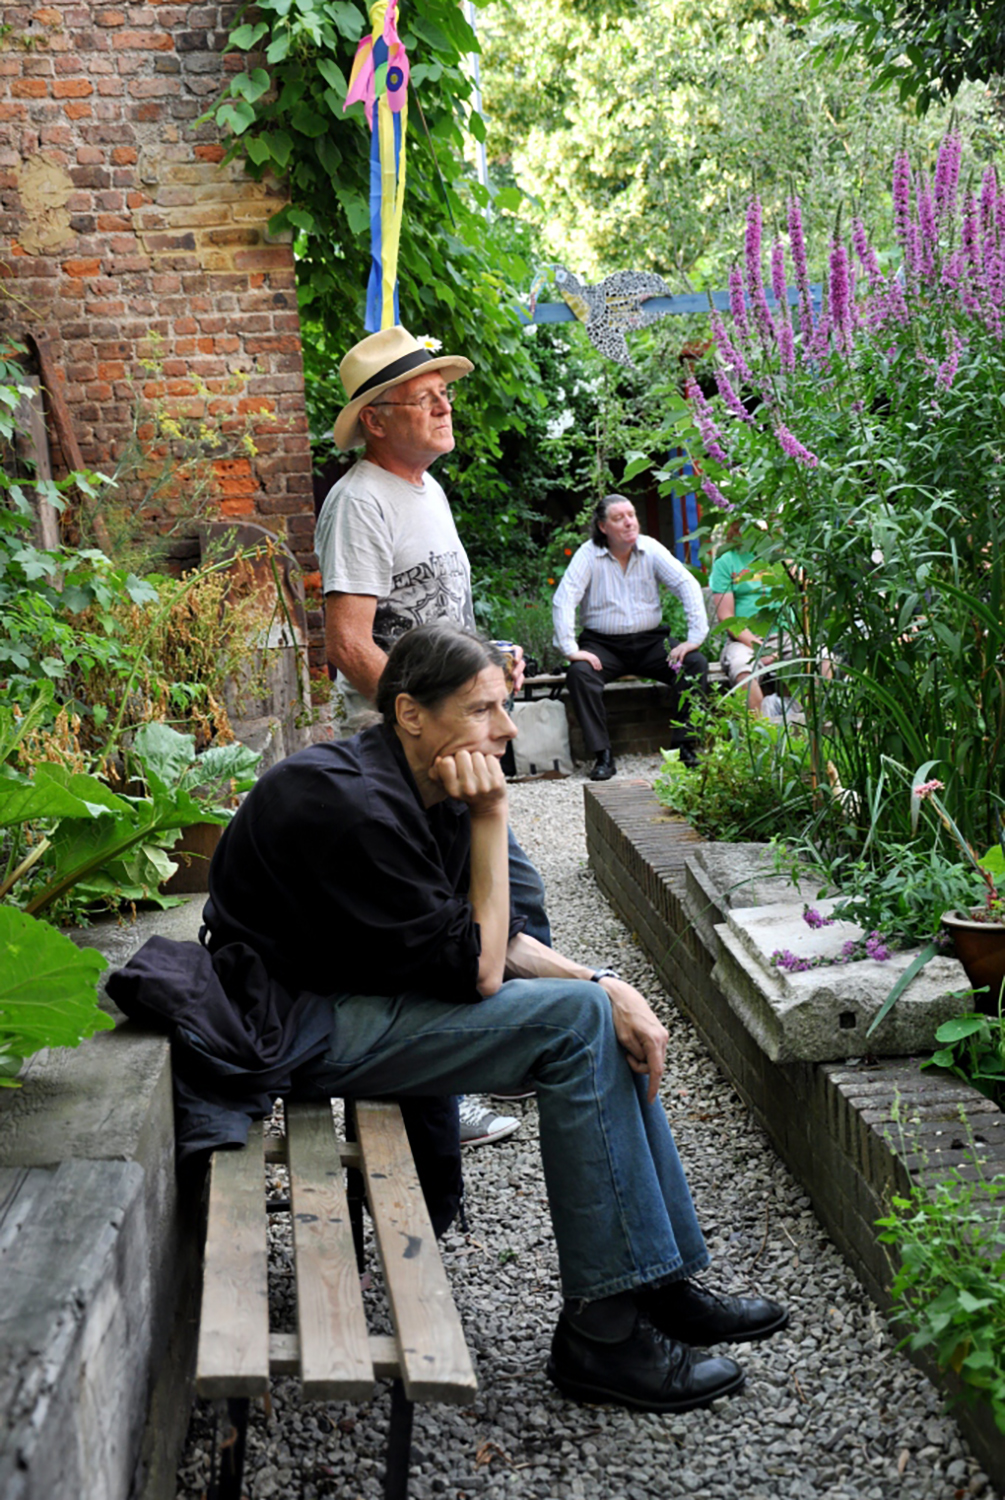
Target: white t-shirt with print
[(379, 534)]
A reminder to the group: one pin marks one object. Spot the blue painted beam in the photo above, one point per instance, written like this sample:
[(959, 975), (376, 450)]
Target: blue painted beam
[(688, 302)]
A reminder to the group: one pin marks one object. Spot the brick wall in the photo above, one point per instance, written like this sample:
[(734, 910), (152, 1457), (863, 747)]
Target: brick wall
[(146, 264), (851, 1135)]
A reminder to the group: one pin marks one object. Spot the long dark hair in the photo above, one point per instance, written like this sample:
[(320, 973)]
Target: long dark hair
[(600, 514), (432, 661)]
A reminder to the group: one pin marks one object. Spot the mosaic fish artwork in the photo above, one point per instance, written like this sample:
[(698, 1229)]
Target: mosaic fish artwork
[(612, 306)]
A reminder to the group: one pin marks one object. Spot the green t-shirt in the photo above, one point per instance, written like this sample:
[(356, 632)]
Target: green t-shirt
[(732, 574)]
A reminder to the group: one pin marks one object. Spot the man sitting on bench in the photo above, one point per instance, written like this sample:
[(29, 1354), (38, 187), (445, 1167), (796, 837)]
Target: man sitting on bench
[(614, 581), (373, 873)]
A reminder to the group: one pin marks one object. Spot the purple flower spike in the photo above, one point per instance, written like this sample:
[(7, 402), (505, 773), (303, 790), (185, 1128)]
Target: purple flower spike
[(731, 400), (947, 176), (867, 256), (734, 360), (712, 490), (791, 446), (929, 236), (705, 419), (755, 286), (839, 299), (902, 197), (737, 303), (813, 919), (797, 242)]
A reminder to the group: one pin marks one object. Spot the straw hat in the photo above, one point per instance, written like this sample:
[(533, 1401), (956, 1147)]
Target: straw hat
[(377, 363)]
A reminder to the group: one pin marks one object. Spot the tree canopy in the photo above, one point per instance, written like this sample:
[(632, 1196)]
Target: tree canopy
[(928, 48), (640, 137)]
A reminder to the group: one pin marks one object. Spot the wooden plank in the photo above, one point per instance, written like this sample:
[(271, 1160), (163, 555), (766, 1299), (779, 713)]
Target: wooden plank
[(233, 1357), (33, 446), (284, 1355), (435, 1363), (335, 1362)]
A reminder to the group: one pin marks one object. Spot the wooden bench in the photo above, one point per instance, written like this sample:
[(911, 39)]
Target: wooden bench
[(333, 1353), (638, 717)]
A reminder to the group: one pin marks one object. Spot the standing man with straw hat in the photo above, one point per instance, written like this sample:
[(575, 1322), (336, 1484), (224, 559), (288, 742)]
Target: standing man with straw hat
[(391, 557)]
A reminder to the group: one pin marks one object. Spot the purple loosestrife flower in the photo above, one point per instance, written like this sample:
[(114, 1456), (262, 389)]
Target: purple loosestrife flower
[(734, 360), (902, 198), (839, 294), (755, 286), (867, 256), (876, 948), (786, 345), (929, 234), (813, 919), (791, 446), (737, 303), (797, 243), (949, 366), (712, 490), (705, 418), (731, 400), (989, 193), (947, 176), (782, 958)]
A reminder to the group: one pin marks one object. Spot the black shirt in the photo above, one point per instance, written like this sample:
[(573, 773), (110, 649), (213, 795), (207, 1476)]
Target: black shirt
[(339, 877)]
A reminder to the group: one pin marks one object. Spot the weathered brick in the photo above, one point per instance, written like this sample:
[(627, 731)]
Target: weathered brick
[(72, 88), (29, 88)]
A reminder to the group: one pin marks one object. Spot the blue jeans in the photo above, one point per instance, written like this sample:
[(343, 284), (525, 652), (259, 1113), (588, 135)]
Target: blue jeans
[(619, 1200), (526, 893)]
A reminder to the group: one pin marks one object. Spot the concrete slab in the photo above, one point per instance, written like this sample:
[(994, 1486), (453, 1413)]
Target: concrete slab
[(104, 1253), (720, 877), (823, 1014)]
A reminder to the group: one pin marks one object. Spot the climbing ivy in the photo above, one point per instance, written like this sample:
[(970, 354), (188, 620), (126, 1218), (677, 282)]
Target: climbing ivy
[(459, 273)]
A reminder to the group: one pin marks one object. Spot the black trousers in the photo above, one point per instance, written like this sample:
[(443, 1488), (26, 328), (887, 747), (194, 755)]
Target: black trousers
[(642, 655)]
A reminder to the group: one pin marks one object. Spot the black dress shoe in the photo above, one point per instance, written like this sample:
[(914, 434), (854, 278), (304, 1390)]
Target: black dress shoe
[(604, 768), (686, 1311), (646, 1370)]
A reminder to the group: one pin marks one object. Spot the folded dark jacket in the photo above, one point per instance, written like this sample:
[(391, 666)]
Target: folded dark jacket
[(239, 1040)]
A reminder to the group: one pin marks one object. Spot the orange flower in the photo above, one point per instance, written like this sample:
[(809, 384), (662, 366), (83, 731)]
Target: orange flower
[(568, 551), (552, 582)]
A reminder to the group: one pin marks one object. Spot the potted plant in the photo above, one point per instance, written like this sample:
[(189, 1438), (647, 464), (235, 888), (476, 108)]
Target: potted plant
[(977, 931)]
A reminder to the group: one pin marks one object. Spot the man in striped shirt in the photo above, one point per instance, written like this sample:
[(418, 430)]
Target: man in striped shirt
[(614, 580)]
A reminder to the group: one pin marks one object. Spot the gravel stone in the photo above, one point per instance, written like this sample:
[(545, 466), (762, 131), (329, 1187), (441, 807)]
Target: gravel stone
[(831, 1410)]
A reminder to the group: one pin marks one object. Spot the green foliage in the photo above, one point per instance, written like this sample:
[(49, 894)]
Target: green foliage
[(951, 1280), (457, 269), (71, 831), (751, 781), (47, 994), (637, 134), (899, 889), (973, 1047), (873, 461), (927, 50)]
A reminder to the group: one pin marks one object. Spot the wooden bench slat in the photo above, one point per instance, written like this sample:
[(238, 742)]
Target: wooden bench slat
[(233, 1357), (434, 1358), (284, 1355), (335, 1361)]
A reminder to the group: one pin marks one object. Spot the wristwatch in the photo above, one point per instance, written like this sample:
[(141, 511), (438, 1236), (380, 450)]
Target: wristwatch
[(599, 974)]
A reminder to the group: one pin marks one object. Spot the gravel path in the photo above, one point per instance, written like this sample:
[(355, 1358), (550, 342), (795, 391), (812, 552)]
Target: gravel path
[(830, 1409)]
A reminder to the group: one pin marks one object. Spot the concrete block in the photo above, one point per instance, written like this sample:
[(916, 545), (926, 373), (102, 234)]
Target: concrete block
[(824, 1013), (99, 1260), (75, 1329)]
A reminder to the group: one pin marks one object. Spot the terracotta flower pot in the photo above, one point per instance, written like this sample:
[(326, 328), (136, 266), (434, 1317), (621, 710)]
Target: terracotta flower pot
[(980, 948), (193, 851)]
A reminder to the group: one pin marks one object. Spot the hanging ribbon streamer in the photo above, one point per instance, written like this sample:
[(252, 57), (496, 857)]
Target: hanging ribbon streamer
[(379, 79)]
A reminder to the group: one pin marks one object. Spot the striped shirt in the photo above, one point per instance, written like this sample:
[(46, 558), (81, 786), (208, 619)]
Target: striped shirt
[(623, 601)]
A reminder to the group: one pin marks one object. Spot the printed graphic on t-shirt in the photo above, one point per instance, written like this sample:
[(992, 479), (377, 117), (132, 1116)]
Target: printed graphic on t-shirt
[(435, 589)]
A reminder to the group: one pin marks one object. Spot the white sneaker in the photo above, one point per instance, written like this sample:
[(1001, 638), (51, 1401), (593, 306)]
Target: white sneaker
[(480, 1125)]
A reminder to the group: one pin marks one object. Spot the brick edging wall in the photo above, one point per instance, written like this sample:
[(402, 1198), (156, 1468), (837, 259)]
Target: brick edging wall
[(834, 1125)]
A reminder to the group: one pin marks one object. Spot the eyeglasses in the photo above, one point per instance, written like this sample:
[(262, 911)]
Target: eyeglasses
[(425, 403)]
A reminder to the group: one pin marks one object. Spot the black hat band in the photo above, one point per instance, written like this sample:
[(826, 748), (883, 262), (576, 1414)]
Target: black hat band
[(393, 370)]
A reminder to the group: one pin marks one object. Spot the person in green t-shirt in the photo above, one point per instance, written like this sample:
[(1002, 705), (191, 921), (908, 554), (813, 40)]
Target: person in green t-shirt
[(737, 590)]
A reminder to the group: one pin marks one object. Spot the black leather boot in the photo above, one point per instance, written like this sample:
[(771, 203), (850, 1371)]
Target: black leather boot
[(604, 768)]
